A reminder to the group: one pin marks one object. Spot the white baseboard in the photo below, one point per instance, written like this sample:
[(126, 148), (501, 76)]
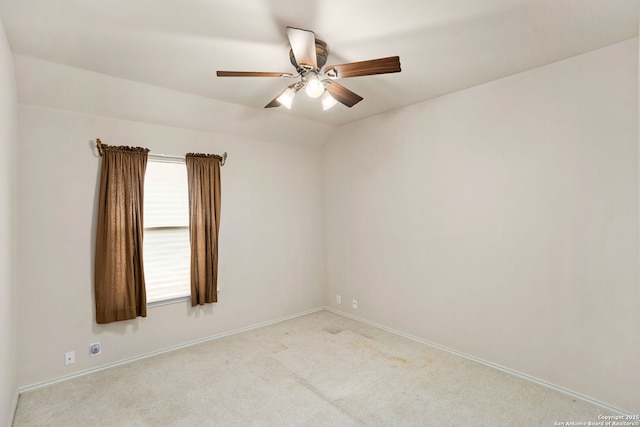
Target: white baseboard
[(538, 381), (14, 406), (165, 350)]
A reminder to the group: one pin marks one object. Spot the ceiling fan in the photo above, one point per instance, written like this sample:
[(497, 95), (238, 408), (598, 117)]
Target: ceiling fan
[(308, 55)]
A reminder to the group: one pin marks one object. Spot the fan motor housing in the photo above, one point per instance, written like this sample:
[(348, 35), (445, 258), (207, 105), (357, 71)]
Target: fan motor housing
[(321, 57)]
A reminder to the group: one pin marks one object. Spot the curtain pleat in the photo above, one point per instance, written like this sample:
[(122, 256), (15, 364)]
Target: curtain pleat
[(119, 274), (203, 175)]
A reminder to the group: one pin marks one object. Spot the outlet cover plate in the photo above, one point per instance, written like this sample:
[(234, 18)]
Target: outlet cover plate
[(69, 358)]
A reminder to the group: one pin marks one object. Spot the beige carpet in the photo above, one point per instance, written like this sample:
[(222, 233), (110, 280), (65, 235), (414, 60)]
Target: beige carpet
[(317, 370)]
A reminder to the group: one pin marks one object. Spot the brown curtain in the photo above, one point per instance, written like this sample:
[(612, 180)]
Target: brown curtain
[(203, 175), (119, 275)]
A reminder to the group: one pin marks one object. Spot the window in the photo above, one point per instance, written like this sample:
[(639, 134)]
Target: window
[(166, 249)]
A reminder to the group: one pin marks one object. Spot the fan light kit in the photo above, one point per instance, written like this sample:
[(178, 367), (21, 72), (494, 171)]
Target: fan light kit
[(308, 55), (314, 87)]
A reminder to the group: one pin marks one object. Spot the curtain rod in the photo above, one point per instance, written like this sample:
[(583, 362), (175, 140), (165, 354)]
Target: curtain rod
[(223, 158)]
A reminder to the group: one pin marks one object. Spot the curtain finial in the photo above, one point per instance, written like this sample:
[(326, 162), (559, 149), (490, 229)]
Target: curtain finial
[(99, 145)]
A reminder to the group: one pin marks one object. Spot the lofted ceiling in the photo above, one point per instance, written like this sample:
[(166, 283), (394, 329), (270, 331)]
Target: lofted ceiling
[(444, 45)]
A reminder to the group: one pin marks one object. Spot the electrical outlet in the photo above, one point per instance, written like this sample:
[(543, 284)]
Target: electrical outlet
[(354, 303), (338, 299), (95, 349), (69, 358)]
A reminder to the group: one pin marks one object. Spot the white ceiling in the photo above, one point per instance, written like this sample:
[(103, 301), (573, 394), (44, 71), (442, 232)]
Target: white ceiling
[(444, 45)]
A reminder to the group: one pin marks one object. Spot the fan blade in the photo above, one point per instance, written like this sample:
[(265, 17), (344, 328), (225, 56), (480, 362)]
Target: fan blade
[(251, 74), (365, 68), (342, 94), (303, 45)]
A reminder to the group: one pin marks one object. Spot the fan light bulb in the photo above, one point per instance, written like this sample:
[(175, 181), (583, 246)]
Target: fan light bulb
[(328, 101), (286, 98), (315, 88)]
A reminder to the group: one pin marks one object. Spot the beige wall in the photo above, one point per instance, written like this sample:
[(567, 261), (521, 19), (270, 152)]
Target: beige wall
[(501, 222), (8, 325), (270, 239)]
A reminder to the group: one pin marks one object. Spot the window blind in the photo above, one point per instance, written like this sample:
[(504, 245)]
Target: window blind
[(166, 249)]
